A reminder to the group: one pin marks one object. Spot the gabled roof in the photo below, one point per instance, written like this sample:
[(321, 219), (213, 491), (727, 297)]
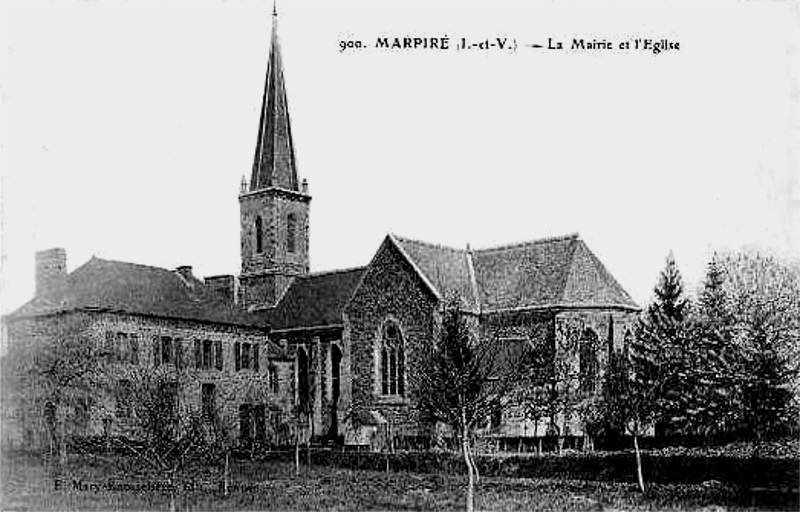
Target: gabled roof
[(446, 269), (315, 300), (274, 163), (547, 273), (552, 272), (106, 285)]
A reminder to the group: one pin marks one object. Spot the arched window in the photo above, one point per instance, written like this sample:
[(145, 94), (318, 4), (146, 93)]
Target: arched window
[(588, 361), (291, 228), (259, 236), (392, 362)]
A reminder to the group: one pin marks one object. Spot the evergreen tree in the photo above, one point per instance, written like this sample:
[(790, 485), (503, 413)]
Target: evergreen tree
[(712, 408), (664, 343)]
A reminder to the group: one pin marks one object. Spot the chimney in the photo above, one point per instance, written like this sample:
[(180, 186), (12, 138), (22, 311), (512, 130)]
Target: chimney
[(223, 286), (51, 270)]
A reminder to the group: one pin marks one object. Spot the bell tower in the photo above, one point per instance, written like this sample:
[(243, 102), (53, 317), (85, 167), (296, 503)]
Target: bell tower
[(274, 206)]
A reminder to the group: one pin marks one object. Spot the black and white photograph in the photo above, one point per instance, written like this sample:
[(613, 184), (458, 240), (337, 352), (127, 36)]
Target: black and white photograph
[(399, 255)]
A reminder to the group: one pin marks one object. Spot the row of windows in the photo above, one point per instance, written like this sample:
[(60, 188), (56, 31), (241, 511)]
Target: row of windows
[(208, 354), (208, 393), (291, 234)]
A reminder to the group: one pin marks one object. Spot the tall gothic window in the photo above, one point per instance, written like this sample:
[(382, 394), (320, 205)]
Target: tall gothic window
[(392, 361), (259, 236), (291, 229), (588, 361), (303, 381)]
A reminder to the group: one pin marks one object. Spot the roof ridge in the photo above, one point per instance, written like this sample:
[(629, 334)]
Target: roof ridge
[(570, 236), (428, 244), (333, 271), (570, 270), (130, 263)]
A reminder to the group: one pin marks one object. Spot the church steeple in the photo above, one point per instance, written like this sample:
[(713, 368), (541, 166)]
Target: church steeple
[(274, 208), (274, 164)]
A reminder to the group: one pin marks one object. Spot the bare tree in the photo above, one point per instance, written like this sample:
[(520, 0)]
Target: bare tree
[(460, 381), (166, 432), (631, 396), (57, 376)]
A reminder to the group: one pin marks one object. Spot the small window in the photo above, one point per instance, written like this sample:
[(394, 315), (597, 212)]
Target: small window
[(497, 417), (167, 354), (208, 348), (291, 228), (124, 394), (207, 393), (218, 358), (245, 356)]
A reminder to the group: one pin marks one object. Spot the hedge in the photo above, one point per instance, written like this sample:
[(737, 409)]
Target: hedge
[(776, 473)]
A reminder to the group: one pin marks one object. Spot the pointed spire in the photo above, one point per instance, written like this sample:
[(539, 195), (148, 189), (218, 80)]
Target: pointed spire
[(274, 163)]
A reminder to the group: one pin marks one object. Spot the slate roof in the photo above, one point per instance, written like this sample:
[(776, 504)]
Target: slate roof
[(106, 285), (315, 300), (547, 273)]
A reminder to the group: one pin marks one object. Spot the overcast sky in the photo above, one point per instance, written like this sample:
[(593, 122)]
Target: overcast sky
[(128, 125)]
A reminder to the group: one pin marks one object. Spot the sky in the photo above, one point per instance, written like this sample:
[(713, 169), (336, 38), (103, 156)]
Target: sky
[(126, 128)]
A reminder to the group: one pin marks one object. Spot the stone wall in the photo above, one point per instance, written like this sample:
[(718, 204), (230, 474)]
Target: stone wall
[(273, 207), (390, 290), (233, 388)]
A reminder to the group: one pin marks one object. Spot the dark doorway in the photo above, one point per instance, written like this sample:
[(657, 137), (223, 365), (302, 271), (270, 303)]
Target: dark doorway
[(245, 432)]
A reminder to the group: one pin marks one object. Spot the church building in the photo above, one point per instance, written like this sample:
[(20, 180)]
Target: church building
[(337, 346)]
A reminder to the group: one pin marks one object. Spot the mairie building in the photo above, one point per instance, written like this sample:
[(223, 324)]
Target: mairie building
[(340, 347)]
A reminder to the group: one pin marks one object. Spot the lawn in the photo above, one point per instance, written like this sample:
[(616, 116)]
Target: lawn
[(84, 485)]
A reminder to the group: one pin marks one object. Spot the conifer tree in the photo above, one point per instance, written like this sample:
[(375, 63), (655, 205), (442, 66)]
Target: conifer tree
[(664, 343), (715, 362)]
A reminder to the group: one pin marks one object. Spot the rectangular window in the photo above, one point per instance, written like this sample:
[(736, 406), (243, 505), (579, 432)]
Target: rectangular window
[(255, 356), (198, 354), (134, 341), (218, 358), (123, 348), (207, 392), (207, 354), (497, 417), (167, 355), (237, 355), (124, 393), (178, 346), (245, 429), (156, 351), (245, 356)]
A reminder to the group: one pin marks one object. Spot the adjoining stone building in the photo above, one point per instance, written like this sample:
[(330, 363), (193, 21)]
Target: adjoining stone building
[(153, 320), (340, 344)]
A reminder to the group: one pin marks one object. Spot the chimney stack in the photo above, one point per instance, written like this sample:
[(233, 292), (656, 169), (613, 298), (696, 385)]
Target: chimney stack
[(51, 270), (185, 271), (223, 286)]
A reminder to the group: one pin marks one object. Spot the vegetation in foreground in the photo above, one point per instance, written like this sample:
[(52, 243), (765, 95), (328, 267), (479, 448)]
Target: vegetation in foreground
[(28, 485)]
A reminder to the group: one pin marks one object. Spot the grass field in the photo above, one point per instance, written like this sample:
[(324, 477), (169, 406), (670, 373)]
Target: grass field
[(84, 485)]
